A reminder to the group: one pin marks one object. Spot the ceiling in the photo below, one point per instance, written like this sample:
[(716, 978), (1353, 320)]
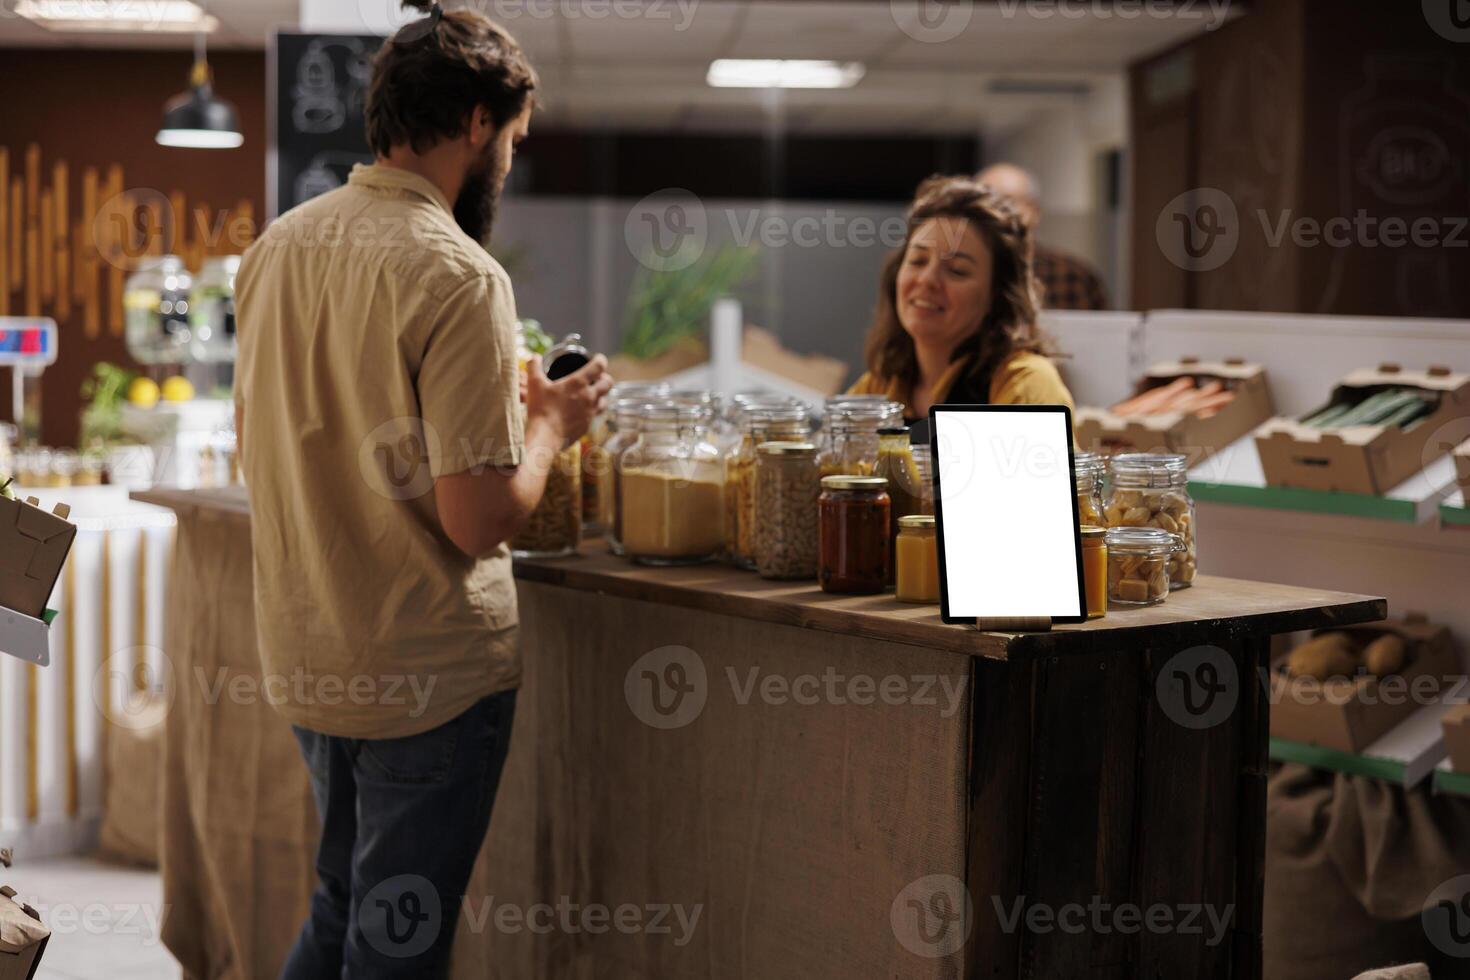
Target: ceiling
[(641, 64)]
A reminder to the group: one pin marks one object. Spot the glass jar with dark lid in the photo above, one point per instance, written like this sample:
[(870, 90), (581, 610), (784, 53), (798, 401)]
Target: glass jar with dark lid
[(853, 531)]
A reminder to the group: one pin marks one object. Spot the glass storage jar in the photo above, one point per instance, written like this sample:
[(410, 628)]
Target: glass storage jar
[(673, 488), (917, 557), (786, 490), (1138, 564), (850, 436), (554, 528), (212, 311), (626, 415), (785, 422), (156, 311), (1095, 570), (1088, 470), (897, 465), (597, 482), (1152, 490), (852, 530)]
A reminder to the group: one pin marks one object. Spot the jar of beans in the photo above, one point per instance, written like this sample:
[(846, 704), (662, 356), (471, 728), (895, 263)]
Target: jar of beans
[(786, 489), (852, 528)]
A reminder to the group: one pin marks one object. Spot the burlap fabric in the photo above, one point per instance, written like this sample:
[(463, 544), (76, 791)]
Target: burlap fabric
[(1349, 864), (131, 809), (788, 829)]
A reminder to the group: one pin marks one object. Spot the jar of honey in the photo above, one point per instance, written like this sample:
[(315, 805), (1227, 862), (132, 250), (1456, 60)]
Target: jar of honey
[(1095, 570), (852, 530), (917, 548)]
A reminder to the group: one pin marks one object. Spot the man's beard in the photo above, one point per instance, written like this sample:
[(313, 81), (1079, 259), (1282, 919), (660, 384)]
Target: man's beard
[(479, 198)]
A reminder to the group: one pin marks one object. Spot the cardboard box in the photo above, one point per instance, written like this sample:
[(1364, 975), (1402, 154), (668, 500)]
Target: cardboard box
[(1349, 714), (1370, 459), (22, 938), (1462, 468), (1101, 430), (1457, 737), (33, 547)]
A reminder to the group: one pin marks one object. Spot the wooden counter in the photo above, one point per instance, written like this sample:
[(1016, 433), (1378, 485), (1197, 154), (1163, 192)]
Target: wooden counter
[(1214, 606), (821, 827)]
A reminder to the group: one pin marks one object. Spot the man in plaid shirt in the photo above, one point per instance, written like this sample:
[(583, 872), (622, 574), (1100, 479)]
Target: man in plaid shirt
[(1066, 282)]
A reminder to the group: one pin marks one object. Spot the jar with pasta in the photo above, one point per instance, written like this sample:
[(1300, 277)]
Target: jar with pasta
[(786, 490), (1138, 564), (1152, 490), (1088, 470), (673, 487), (783, 422), (554, 528)]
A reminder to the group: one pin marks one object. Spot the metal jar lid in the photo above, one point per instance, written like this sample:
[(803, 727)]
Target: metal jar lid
[(842, 481), (1093, 531), (567, 357), (918, 522), (786, 448), (1142, 541)]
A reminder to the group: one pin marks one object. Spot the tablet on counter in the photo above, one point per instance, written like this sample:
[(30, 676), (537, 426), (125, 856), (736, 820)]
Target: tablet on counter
[(1005, 506)]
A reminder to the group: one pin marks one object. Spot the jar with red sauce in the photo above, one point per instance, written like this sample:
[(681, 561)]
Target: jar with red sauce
[(853, 534)]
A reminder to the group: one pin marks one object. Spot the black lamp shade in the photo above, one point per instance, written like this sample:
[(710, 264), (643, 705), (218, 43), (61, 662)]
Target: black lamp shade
[(198, 119)]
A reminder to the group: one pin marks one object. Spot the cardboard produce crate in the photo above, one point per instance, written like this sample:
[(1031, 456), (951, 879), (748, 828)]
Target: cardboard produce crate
[(33, 547), (1457, 737), (22, 938), (1103, 431), (1462, 468), (1369, 459), (1349, 714)]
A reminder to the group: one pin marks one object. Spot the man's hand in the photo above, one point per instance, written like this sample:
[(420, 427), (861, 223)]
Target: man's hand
[(566, 407)]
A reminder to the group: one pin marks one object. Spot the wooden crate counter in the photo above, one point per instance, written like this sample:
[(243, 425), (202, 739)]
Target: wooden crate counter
[(766, 781)]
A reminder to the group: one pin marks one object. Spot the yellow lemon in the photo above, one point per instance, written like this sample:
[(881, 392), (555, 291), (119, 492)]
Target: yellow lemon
[(177, 389), (143, 392)]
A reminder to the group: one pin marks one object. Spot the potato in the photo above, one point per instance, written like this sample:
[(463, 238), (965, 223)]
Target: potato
[(1324, 657), (1385, 655)]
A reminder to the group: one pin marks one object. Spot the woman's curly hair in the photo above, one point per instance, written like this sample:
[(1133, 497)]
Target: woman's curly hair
[(1008, 327)]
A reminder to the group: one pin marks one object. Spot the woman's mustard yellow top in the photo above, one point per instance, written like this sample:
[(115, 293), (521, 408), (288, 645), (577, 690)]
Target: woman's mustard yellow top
[(1021, 379)]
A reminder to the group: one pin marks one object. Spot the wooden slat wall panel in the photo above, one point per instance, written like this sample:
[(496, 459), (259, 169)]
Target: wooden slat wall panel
[(4, 231), (61, 248)]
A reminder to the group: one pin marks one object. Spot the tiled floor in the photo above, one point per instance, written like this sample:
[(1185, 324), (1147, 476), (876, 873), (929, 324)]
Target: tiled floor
[(104, 919)]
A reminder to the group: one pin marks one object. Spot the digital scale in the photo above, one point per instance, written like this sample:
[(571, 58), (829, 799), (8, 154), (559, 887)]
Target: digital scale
[(27, 347)]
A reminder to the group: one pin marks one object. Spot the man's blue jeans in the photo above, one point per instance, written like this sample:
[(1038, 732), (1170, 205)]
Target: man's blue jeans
[(402, 822)]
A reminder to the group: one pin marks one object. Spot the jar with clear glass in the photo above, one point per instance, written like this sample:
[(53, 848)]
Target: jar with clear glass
[(785, 422), (554, 528), (851, 437), (156, 311), (212, 311), (1088, 470), (1138, 560), (626, 416), (852, 534), (1152, 490), (673, 488), (597, 482), (786, 490), (897, 465)]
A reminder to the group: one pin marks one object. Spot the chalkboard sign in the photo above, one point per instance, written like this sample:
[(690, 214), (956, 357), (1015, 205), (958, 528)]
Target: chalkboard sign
[(319, 83)]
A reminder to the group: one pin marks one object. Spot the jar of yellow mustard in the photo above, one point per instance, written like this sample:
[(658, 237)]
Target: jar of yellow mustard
[(917, 547), (1095, 570)]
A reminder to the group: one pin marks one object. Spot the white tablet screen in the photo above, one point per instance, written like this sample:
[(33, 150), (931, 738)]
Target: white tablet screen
[(1007, 508)]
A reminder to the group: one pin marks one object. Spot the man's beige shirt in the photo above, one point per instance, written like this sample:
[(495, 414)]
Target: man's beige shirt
[(377, 352)]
